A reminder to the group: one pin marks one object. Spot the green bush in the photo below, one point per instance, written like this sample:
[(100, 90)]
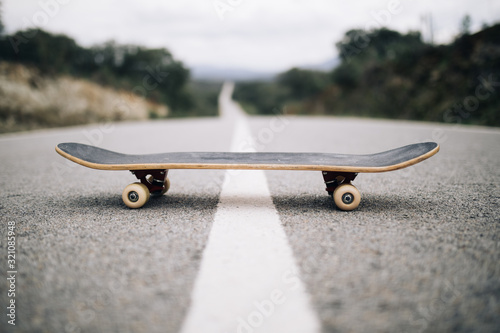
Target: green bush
[(387, 74)]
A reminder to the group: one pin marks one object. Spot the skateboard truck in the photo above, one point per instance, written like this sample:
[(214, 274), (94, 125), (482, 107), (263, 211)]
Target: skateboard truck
[(153, 179), (338, 185), (152, 182), (334, 179)]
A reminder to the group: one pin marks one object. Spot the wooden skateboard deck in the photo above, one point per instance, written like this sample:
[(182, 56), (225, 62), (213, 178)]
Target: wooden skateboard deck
[(338, 169)]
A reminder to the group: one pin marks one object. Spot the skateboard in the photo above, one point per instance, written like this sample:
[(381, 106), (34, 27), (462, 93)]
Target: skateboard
[(338, 170)]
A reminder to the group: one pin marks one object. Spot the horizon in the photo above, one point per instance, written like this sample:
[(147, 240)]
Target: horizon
[(239, 35)]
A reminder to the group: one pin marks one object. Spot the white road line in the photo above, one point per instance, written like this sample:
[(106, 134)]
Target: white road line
[(248, 279)]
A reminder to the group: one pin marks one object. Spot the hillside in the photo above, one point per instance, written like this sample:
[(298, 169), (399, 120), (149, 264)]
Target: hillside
[(49, 80), (390, 75), (29, 100)]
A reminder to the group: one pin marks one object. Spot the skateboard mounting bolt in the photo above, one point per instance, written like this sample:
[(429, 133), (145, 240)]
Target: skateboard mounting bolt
[(133, 196)]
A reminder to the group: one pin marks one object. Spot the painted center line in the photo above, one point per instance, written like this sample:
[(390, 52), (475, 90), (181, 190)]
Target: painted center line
[(248, 279)]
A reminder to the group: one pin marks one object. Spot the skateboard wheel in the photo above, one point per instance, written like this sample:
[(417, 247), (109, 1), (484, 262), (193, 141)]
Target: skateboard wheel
[(166, 185), (346, 197), (135, 195)]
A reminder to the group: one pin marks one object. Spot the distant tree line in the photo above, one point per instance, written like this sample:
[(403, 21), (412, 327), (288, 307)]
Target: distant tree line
[(152, 73), (384, 73)]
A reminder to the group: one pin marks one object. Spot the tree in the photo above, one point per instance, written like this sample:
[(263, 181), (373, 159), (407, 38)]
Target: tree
[(2, 28), (303, 83), (465, 25), (361, 46), (50, 53)]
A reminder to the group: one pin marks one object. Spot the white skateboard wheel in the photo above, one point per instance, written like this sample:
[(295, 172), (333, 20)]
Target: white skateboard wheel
[(167, 186), (346, 197), (135, 195)]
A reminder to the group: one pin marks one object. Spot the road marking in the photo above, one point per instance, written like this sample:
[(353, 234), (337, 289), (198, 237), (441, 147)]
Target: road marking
[(248, 279)]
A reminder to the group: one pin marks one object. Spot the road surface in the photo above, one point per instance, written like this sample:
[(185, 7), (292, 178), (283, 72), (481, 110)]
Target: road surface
[(420, 254)]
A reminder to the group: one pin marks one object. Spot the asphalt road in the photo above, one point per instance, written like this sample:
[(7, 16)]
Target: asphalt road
[(420, 254)]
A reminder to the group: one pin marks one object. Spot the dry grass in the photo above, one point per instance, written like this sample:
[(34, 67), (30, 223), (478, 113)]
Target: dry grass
[(29, 100)]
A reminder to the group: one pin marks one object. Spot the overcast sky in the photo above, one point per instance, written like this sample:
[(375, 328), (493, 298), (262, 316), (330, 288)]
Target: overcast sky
[(252, 34)]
